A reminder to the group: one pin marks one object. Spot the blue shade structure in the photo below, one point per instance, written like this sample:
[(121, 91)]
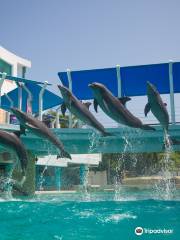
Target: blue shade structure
[(133, 79), (49, 99)]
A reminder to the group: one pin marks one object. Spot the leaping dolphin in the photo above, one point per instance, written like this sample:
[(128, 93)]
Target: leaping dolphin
[(81, 111), (158, 108), (13, 143), (115, 108), (39, 128)]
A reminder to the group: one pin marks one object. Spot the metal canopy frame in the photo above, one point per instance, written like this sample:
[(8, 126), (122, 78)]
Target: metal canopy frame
[(21, 84)]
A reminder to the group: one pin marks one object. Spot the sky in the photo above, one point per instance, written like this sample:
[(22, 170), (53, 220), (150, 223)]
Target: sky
[(86, 34)]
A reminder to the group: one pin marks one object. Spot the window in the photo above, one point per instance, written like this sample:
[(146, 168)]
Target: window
[(5, 67)]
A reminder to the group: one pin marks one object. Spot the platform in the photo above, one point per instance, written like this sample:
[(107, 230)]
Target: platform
[(83, 141)]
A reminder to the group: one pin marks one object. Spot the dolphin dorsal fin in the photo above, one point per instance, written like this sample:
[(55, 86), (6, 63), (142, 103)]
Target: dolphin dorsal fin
[(147, 109), (63, 108), (87, 104), (123, 100), (95, 103)]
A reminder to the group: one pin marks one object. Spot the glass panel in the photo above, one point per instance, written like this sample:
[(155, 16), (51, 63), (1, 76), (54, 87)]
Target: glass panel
[(5, 67)]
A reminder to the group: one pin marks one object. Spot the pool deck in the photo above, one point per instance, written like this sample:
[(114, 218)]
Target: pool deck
[(134, 182)]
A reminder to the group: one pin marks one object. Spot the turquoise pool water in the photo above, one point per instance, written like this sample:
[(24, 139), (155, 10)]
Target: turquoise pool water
[(95, 216)]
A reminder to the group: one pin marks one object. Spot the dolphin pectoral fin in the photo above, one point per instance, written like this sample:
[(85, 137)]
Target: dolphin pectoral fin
[(87, 104), (147, 109), (63, 109), (147, 127), (95, 103), (123, 100)]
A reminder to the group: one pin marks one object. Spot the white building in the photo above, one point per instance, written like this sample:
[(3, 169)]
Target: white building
[(12, 65)]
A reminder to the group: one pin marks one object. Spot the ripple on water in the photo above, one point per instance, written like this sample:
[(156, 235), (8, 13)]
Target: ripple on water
[(115, 218)]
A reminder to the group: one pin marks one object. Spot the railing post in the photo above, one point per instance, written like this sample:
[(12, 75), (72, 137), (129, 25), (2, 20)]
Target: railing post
[(119, 83), (9, 99), (11, 105), (3, 77), (41, 99), (171, 86), (29, 98), (70, 88), (19, 96)]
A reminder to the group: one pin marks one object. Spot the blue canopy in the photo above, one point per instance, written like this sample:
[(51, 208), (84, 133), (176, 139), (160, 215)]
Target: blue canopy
[(133, 79), (49, 99)]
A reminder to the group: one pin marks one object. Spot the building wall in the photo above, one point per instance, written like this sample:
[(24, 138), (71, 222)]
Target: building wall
[(12, 65)]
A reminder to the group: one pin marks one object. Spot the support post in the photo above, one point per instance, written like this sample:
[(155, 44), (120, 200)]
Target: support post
[(3, 77), (29, 98), (41, 99), (83, 174), (119, 83), (70, 88), (58, 178), (9, 99), (171, 86), (11, 105), (19, 97)]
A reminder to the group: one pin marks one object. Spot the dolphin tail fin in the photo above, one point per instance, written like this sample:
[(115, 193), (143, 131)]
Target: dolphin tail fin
[(64, 154), (147, 109), (147, 127)]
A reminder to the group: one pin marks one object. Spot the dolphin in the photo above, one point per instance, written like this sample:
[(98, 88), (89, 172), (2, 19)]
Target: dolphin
[(80, 110), (158, 108), (13, 143), (115, 108), (39, 128)]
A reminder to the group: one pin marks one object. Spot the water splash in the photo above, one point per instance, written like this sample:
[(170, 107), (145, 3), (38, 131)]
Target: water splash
[(41, 178), (119, 171), (85, 193), (6, 179), (165, 188), (94, 141), (128, 147)]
